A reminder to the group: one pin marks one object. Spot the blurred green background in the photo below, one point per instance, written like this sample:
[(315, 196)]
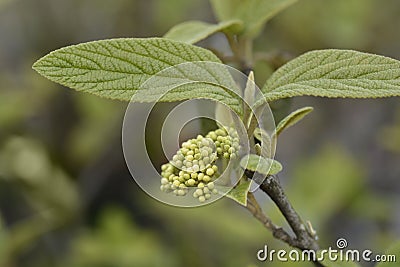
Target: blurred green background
[(67, 198)]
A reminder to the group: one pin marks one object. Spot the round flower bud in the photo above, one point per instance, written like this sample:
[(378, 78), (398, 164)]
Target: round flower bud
[(189, 164), (200, 176), (178, 164), (199, 192), (202, 198), (211, 185), (196, 168), (210, 172), (207, 196), (206, 178)]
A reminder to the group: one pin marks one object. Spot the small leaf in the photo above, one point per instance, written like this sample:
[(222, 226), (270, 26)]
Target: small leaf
[(253, 13), (118, 68), (292, 119), (335, 73), (194, 31), (223, 115), (262, 136), (261, 165), (267, 142), (393, 250), (250, 90), (239, 193)]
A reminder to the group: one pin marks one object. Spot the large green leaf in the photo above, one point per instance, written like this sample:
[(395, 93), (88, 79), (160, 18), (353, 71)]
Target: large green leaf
[(335, 73), (193, 31), (118, 68), (292, 119), (253, 13)]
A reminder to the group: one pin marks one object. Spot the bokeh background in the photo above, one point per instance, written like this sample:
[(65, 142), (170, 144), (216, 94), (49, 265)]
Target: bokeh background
[(67, 198)]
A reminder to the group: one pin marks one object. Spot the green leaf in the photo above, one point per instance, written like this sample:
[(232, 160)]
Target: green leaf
[(261, 165), (193, 31), (393, 250), (239, 193), (223, 115), (262, 135), (118, 68), (268, 142), (292, 119), (335, 73), (253, 13)]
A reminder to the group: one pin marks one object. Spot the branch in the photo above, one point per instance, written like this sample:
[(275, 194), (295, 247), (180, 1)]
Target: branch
[(304, 240), (274, 190), (277, 232)]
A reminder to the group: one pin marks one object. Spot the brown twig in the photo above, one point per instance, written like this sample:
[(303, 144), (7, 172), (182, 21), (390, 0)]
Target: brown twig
[(277, 232), (303, 240), (274, 190)]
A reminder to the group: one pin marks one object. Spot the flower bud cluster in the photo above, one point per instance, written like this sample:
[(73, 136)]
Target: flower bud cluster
[(193, 166), (195, 155), (226, 141), (179, 181)]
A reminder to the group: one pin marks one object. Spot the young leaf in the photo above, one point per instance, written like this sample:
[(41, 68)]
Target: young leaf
[(239, 193), (335, 73), (267, 142), (253, 13), (193, 31), (262, 135), (261, 165), (292, 119), (223, 115), (117, 69)]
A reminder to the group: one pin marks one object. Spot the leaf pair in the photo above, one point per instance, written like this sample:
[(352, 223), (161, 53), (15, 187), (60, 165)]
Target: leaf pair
[(117, 68)]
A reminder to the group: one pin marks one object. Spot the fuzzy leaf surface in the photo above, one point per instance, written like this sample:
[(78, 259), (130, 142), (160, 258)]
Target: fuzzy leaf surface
[(335, 73), (118, 69)]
